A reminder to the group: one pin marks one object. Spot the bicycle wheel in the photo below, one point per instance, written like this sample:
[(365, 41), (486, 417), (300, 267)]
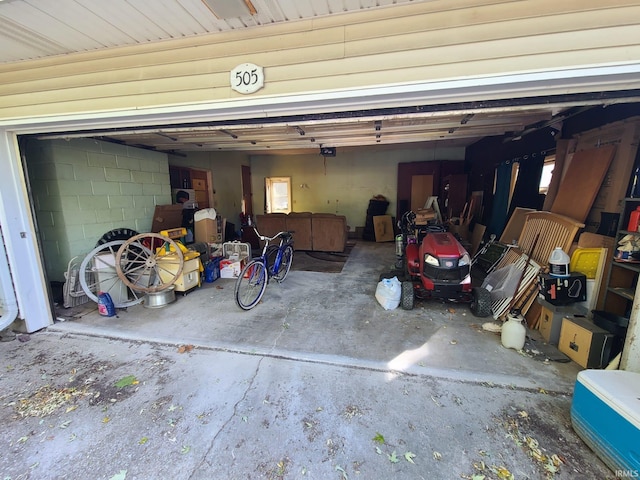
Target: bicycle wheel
[(251, 284), (98, 274), (285, 264)]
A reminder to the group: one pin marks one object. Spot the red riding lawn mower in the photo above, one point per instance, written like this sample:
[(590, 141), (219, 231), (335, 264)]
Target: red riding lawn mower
[(435, 265)]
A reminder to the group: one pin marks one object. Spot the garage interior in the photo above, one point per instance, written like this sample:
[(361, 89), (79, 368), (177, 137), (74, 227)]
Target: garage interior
[(516, 130), (488, 160)]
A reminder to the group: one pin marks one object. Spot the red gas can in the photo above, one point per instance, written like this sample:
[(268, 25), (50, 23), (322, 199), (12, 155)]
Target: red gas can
[(634, 220)]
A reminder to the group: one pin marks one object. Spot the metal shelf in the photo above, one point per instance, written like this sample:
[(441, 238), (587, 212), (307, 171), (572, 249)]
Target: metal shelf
[(634, 267), (626, 293)]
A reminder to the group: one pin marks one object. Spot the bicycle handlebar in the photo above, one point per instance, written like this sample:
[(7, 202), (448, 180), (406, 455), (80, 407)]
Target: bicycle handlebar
[(269, 239)]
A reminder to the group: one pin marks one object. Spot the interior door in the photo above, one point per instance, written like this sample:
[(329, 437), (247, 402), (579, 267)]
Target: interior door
[(247, 195), (421, 190)]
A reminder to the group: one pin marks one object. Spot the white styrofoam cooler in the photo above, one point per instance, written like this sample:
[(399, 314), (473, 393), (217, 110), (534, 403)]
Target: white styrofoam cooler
[(605, 413)]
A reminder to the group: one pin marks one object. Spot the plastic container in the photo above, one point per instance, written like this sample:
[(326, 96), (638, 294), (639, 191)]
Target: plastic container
[(559, 263), (212, 270), (513, 332), (106, 308), (586, 260), (388, 293), (399, 246), (634, 220), (605, 413)]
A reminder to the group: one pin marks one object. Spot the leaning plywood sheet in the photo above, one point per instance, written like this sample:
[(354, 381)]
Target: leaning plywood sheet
[(582, 181)]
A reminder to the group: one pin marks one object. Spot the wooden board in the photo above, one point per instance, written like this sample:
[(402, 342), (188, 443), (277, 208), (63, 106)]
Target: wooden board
[(383, 228), (421, 190), (476, 238), (581, 183), (512, 231)]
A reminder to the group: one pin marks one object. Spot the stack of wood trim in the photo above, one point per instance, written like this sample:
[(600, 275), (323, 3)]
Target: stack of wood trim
[(553, 231)]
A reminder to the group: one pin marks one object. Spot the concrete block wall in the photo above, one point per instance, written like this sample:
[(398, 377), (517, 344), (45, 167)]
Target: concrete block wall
[(83, 188)]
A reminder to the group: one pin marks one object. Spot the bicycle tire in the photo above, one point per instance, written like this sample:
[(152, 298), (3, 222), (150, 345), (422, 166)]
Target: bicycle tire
[(251, 284), (285, 264)]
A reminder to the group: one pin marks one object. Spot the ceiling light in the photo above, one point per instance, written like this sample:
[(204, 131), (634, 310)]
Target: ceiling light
[(226, 9)]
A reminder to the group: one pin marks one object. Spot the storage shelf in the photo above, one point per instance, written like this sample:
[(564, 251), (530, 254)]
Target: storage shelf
[(623, 276), (634, 267), (626, 293)]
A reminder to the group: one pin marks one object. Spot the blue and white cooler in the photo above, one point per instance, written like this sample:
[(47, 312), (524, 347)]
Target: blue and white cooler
[(605, 413)]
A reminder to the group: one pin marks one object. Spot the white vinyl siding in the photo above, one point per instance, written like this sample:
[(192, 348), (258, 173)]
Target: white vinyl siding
[(429, 41)]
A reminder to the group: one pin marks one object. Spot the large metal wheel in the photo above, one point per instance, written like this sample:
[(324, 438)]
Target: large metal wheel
[(149, 262), (98, 273)]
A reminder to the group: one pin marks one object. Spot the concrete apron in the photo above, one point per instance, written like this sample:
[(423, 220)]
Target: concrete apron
[(335, 319)]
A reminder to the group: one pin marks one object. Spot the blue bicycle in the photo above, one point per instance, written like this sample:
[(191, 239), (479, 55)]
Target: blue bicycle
[(274, 262)]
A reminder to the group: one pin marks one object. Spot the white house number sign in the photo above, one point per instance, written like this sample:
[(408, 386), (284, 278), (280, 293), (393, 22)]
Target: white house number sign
[(247, 78)]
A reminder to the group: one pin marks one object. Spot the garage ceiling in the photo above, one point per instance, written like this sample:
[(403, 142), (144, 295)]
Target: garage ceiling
[(31, 29), (413, 130)]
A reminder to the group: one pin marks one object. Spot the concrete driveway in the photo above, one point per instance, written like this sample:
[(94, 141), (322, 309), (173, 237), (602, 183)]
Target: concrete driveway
[(318, 381)]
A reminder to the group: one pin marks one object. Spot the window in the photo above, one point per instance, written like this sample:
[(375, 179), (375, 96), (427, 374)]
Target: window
[(278, 194), (547, 173)]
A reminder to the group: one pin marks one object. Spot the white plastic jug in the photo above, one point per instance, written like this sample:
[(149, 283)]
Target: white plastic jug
[(559, 263), (513, 332), (388, 293)]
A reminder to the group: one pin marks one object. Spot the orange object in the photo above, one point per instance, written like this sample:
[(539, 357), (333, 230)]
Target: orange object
[(634, 219)]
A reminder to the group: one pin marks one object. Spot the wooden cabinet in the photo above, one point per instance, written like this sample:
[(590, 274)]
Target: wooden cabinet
[(623, 275), (180, 177)]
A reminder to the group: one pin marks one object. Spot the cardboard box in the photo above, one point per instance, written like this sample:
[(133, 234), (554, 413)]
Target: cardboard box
[(563, 290), (166, 217), (230, 268), (551, 319), (383, 228), (423, 215), (208, 229), (585, 343)]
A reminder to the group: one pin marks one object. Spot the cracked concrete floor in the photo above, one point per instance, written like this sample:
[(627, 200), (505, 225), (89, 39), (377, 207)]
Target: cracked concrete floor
[(290, 390)]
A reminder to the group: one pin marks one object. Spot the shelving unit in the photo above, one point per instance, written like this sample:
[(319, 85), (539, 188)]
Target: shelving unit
[(623, 275)]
